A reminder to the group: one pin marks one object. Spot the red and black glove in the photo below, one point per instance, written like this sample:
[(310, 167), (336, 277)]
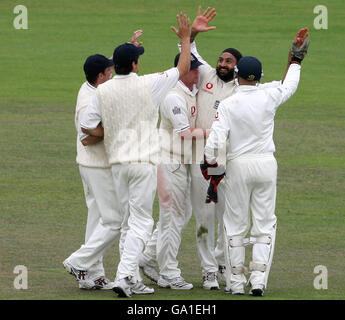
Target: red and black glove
[(212, 189), (204, 168)]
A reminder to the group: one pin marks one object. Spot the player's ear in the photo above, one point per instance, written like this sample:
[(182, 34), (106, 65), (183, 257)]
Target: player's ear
[(135, 66)]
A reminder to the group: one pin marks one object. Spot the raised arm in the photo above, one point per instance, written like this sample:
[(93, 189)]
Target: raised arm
[(201, 21), (289, 86), (135, 36), (298, 49), (297, 52), (183, 32)]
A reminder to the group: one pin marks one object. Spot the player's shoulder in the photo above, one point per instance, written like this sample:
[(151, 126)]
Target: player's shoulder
[(229, 103), (85, 91), (169, 73), (173, 96)]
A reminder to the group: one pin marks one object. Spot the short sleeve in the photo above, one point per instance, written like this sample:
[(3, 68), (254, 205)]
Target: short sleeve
[(175, 110)]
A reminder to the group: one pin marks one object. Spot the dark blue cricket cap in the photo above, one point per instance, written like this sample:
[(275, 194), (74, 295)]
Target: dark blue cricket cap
[(249, 68), (126, 53), (96, 64), (194, 62)]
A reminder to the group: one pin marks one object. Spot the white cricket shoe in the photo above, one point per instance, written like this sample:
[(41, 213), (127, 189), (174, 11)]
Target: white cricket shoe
[(210, 281), (140, 288), (149, 271), (176, 283), (257, 290), (104, 283), (81, 276), (123, 288), (235, 290)]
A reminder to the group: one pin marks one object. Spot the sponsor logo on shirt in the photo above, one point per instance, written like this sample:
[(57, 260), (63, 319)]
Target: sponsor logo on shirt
[(209, 86), (216, 118), (176, 110), (192, 110), (216, 104)]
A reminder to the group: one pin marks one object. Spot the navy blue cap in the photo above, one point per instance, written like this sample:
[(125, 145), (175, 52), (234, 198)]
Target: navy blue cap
[(194, 62), (125, 53), (96, 64), (249, 68)]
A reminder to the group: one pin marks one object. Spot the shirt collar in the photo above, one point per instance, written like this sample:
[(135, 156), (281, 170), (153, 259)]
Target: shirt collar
[(247, 88), (186, 89), (122, 76), (90, 85)]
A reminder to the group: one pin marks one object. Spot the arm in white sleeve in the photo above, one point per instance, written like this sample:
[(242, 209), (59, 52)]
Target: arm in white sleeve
[(92, 115), (218, 136), (289, 86), (272, 84), (162, 83), (81, 134)]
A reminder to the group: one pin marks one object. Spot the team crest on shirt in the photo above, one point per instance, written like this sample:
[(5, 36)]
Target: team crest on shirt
[(176, 110), (216, 104)]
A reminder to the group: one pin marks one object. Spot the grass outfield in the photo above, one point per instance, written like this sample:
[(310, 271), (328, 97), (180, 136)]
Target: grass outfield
[(42, 209)]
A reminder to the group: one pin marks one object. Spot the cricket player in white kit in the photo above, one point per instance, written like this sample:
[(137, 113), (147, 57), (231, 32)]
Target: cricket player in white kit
[(215, 85), (86, 263), (96, 176), (247, 119), (127, 107), (177, 129)]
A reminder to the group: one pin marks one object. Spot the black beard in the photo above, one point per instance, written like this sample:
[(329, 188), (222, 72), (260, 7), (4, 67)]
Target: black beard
[(225, 77)]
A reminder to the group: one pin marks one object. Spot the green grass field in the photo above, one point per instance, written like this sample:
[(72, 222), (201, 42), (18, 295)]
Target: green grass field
[(42, 208)]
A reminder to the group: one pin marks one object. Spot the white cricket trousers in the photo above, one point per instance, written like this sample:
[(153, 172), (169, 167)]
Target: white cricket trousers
[(250, 186), (135, 186), (205, 214), (174, 213), (103, 223)]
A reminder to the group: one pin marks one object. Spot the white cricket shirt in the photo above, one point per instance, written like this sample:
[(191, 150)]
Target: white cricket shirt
[(247, 118), (178, 113), (127, 106), (92, 155)]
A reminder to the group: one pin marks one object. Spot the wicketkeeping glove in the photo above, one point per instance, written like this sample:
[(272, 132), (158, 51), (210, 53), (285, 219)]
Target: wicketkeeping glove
[(204, 168), (300, 45), (212, 189)]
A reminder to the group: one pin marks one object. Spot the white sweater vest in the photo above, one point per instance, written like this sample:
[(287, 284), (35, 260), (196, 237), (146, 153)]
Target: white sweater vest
[(93, 155), (173, 147), (129, 119)]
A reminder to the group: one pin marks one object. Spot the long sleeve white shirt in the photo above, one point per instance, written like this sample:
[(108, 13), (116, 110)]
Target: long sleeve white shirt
[(247, 118)]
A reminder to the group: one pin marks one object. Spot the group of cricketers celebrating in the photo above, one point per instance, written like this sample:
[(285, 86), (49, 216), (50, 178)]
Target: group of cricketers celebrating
[(229, 183)]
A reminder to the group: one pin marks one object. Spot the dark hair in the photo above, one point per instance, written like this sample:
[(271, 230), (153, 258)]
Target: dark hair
[(234, 52), (127, 68), (92, 78)]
